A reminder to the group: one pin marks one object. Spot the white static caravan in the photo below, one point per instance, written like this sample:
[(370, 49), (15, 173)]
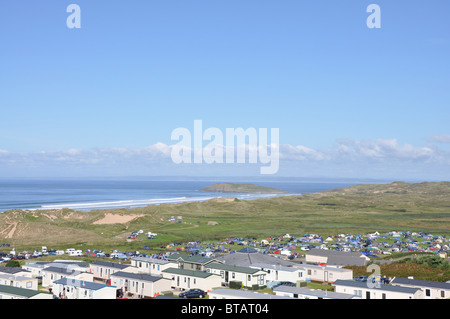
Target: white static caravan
[(225, 293), (9, 292), (66, 288), (189, 279), (249, 277), (430, 289), (281, 273), (102, 270), (51, 274), (363, 290), (19, 281), (141, 285), (306, 293), (151, 266), (325, 274)]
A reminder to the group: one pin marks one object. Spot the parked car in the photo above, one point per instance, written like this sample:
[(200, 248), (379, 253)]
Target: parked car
[(193, 293), (284, 283), (360, 278)]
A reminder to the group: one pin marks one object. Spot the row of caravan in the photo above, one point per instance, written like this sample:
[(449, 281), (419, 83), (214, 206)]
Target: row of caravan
[(72, 252), (45, 252)]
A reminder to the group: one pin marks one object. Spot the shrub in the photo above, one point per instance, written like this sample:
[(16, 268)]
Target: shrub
[(13, 263), (235, 284)]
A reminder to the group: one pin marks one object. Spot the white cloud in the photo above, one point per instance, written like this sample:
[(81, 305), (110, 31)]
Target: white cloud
[(300, 152), (382, 149), (347, 155), (440, 138)]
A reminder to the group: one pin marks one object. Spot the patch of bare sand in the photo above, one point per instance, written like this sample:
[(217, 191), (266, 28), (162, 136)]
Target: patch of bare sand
[(221, 200), (72, 215), (116, 219), (51, 217), (12, 230)]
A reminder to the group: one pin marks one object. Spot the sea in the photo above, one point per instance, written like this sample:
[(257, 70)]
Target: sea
[(90, 194)]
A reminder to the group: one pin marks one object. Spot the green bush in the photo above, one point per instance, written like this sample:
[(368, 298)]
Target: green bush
[(13, 263), (235, 284), (433, 262), (256, 287)]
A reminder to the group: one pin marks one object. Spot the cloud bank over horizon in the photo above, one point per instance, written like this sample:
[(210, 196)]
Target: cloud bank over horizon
[(347, 158)]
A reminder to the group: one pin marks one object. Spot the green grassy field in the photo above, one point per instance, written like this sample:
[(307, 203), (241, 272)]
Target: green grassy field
[(358, 209)]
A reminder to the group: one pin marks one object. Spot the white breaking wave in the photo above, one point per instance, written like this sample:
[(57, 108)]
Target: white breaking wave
[(121, 203), (146, 202)]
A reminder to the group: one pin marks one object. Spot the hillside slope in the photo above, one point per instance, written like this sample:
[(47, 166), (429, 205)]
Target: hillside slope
[(356, 209)]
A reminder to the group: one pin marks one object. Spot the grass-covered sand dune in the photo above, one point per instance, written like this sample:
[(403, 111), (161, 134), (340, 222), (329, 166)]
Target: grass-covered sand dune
[(357, 209)]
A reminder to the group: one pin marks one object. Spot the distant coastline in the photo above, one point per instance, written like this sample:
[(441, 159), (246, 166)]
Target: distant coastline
[(91, 194), (241, 188)]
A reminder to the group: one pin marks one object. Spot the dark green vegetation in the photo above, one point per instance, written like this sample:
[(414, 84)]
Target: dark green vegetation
[(358, 209), (240, 188), (420, 267)]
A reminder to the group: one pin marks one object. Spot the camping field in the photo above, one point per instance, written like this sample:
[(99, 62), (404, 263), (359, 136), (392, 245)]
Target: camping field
[(360, 209)]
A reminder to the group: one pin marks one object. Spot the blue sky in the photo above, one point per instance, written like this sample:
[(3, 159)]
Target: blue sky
[(349, 101)]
